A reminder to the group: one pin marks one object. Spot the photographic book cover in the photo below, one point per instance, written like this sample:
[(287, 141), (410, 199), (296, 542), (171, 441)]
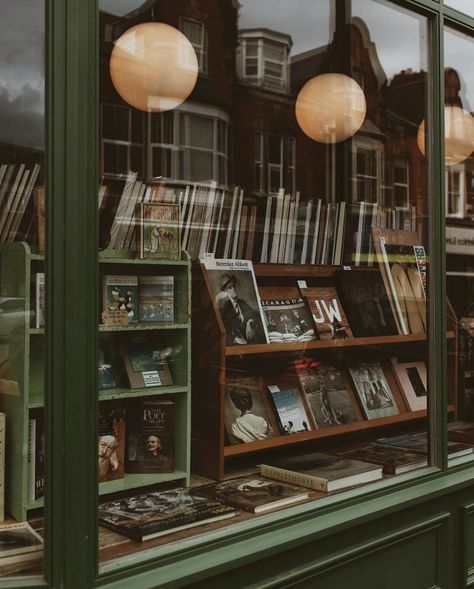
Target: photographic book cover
[(120, 296), (157, 231), (145, 362), (156, 299), (150, 436), (111, 450), (328, 313), (373, 389), (233, 285), (287, 315), (413, 383), (290, 409)]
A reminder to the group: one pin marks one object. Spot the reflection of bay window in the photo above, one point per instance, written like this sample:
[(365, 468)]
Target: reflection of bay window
[(274, 163), (196, 32), (367, 155), (455, 191), (189, 144), (122, 140), (401, 192)]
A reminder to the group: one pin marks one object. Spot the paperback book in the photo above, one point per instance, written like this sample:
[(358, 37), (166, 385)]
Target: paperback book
[(393, 460), (251, 493), (151, 431), (111, 448), (157, 231), (145, 363), (120, 298), (412, 380), (328, 313), (291, 410), (156, 299), (373, 390), (148, 516), (19, 542)]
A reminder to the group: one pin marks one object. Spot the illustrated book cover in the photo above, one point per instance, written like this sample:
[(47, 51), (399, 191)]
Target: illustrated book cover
[(373, 390), (251, 493), (145, 362), (156, 299), (328, 313), (393, 460), (287, 315), (248, 415), (326, 393), (233, 285), (412, 380), (17, 541), (148, 516), (321, 472), (120, 299), (111, 444), (157, 231), (290, 409), (151, 431)]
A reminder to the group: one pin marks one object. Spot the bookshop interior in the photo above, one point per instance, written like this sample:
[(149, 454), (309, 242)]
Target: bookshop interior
[(268, 224)]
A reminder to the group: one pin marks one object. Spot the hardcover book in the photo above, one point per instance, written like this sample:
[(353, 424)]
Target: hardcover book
[(111, 447), (247, 414), (31, 459), (144, 517), (326, 394), (17, 541), (287, 315), (156, 299), (365, 301), (322, 472), (40, 473), (412, 380), (461, 431), (373, 390), (157, 231), (145, 363), (328, 313), (120, 296), (393, 460), (150, 436), (233, 285), (419, 443), (251, 493), (290, 409)]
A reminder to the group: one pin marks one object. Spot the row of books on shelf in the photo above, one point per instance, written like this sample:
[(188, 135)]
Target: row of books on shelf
[(317, 395), (280, 482), (280, 228)]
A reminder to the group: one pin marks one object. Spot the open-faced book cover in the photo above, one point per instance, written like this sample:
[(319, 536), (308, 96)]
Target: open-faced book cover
[(328, 313), (321, 472), (374, 392), (290, 409), (252, 493), (145, 362), (412, 380), (157, 231), (151, 515), (156, 299)]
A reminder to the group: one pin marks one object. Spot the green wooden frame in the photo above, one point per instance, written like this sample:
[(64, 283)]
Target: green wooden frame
[(72, 280)]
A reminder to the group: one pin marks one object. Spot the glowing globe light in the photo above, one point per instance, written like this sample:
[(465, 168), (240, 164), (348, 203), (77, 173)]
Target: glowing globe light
[(330, 108), (153, 67), (458, 135)]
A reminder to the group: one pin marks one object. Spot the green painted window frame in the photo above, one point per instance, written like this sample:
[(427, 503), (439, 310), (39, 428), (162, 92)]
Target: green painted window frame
[(72, 278)]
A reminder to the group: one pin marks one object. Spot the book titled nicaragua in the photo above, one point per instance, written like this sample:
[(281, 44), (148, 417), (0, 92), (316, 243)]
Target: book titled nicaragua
[(287, 315), (148, 516), (145, 362), (150, 436), (156, 299), (120, 297), (328, 313), (251, 493), (322, 472), (157, 231), (290, 409)]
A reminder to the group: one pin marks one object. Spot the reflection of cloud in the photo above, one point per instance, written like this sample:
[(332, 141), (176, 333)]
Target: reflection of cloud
[(21, 118)]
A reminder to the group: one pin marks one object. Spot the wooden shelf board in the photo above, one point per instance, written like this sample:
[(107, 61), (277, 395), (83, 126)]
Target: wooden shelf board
[(123, 393), (145, 327), (119, 257), (330, 432), (36, 330), (132, 481), (295, 270)]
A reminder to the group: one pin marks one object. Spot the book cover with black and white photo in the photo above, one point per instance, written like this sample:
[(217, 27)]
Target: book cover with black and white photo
[(374, 392), (145, 362), (287, 315), (151, 431), (18, 542), (290, 409), (233, 285), (328, 313), (412, 379), (326, 393), (111, 443), (156, 299)]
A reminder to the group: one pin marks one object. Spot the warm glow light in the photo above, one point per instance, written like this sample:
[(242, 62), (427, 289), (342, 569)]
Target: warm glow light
[(458, 135), (153, 67), (330, 108)]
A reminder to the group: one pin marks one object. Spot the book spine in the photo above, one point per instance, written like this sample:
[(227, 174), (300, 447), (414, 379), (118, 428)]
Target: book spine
[(3, 422), (31, 458), (293, 478)]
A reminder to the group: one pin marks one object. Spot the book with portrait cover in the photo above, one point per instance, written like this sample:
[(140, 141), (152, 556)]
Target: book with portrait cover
[(111, 446), (393, 460), (145, 362), (412, 380), (251, 493), (373, 390), (150, 436), (326, 393), (321, 472), (248, 416), (157, 231), (120, 294), (365, 302), (233, 286), (290, 409), (151, 515), (287, 315), (328, 313), (156, 299)]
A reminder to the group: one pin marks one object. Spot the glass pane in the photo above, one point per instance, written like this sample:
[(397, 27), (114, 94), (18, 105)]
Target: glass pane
[(459, 144), (465, 6), (22, 288), (292, 354)]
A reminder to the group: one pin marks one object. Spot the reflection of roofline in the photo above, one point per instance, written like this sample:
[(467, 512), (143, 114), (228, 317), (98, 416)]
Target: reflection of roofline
[(267, 34), (309, 53)]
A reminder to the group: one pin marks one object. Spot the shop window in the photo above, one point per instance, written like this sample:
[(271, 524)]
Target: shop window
[(366, 166), (456, 191), (196, 32), (274, 162)]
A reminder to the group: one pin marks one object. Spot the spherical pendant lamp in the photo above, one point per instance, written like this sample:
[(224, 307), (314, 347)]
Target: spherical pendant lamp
[(458, 135), (330, 108), (153, 67)]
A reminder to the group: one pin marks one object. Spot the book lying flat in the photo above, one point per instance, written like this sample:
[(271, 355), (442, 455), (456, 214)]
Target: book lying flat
[(419, 443), (252, 493), (461, 431), (322, 472), (148, 516), (393, 460), (19, 542)]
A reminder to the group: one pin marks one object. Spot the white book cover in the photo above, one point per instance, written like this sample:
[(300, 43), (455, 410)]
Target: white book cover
[(187, 228), (209, 204), (304, 250), (284, 228), (227, 246), (130, 232), (266, 230), (294, 220), (237, 225), (360, 226), (40, 299), (277, 226), (316, 231), (218, 229), (121, 208)]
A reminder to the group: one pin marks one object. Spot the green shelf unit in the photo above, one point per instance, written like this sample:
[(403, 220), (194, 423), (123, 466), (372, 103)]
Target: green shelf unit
[(145, 327), (134, 481), (124, 393)]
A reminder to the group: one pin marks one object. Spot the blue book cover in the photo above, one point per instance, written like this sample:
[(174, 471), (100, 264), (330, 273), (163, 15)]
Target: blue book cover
[(290, 409)]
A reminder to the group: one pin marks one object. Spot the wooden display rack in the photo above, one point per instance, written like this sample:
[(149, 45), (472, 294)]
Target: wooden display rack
[(211, 358)]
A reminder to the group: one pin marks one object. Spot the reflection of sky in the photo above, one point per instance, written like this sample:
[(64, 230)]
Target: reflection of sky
[(122, 7), (458, 52), (466, 6), (22, 73)]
